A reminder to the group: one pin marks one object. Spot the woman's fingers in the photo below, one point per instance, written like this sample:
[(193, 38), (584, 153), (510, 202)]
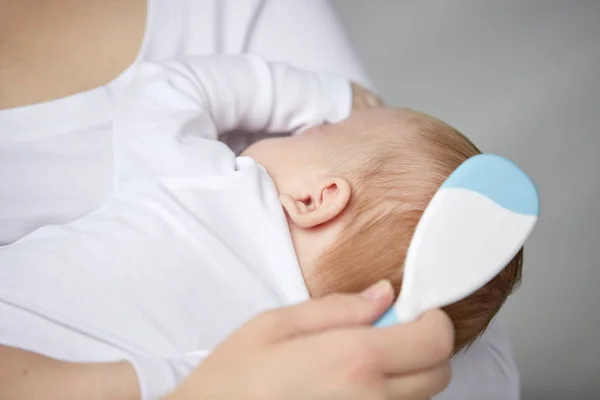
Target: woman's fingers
[(431, 338), (330, 312)]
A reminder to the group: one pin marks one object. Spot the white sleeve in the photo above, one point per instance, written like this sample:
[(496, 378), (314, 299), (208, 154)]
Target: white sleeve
[(237, 92), (172, 108), (486, 370)]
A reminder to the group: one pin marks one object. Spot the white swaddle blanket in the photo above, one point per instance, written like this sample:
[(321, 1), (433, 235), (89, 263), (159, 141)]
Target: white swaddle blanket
[(192, 243)]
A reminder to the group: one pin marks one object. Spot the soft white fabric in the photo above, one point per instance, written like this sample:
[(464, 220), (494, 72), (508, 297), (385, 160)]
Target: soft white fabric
[(193, 242), (56, 157)]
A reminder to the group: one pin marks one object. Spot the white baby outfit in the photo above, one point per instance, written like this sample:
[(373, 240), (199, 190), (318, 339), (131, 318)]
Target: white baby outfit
[(192, 243)]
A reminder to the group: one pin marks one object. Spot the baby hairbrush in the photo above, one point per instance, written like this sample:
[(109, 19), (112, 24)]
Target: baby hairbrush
[(474, 225)]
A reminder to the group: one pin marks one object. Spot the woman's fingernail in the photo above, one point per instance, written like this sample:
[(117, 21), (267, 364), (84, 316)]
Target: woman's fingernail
[(378, 290)]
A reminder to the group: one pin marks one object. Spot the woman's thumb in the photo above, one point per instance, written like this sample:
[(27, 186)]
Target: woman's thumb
[(334, 311)]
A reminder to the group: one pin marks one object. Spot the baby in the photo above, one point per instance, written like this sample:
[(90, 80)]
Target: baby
[(195, 241)]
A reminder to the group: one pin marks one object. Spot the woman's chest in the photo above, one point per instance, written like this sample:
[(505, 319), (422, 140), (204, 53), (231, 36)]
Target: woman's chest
[(54, 48)]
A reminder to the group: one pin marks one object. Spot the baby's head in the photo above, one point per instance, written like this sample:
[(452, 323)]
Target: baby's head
[(354, 192)]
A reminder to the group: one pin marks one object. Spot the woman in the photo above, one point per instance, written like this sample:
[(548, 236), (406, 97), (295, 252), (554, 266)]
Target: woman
[(64, 63)]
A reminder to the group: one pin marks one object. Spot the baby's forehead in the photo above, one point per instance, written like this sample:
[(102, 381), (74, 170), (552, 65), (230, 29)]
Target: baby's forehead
[(387, 118)]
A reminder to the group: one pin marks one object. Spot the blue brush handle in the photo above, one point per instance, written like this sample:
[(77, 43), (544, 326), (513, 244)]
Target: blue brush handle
[(387, 319)]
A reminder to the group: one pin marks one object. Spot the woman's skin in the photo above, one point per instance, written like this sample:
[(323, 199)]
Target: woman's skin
[(45, 50), (45, 54), (27, 375)]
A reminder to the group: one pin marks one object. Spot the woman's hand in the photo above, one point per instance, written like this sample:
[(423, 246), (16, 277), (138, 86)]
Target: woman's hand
[(325, 349), (364, 98)]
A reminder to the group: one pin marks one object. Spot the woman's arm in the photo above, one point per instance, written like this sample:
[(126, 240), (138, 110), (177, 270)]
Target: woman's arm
[(27, 375), (306, 34)]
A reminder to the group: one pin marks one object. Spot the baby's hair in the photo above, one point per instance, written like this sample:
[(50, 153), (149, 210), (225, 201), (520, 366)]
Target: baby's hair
[(401, 166)]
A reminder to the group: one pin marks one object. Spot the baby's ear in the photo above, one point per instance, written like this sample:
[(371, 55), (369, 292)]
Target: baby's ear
[(321, 205)]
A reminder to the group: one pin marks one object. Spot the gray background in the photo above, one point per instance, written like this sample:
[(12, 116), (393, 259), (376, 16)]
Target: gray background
[(522, 79)]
